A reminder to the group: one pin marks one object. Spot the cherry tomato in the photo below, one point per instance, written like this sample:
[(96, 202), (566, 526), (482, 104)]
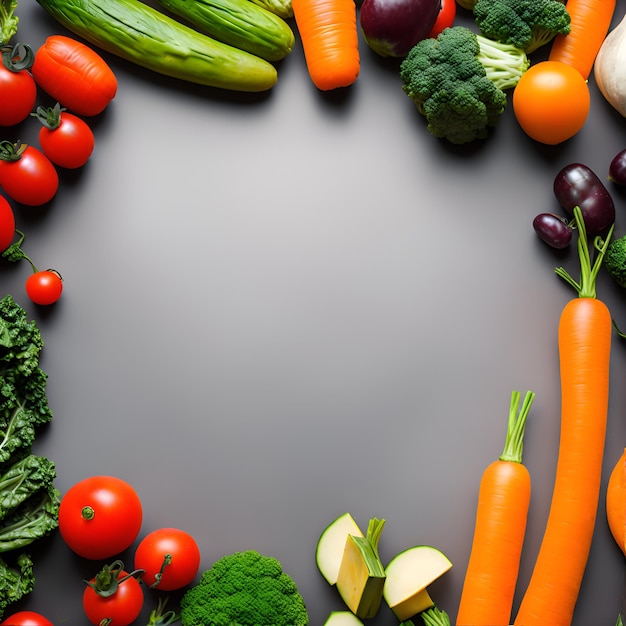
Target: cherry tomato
[(18, 90), (170, 558), (116, 605), (7, 224), (551, 102), (26, 618), (65, 139), (44, 287), (100, 517), (445, 17), (74, 74), (26, 174)]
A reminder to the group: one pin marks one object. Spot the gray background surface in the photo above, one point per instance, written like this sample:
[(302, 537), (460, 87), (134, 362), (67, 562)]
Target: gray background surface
[(280, 308)]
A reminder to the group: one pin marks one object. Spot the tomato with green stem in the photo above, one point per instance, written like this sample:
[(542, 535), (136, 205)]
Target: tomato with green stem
[(42, 287), (114, 597), (100, 516), (67, 140), (17, 86), (170, 558), (26, 174)]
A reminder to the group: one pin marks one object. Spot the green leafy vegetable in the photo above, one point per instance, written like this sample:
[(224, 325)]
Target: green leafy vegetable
[(16, 580), (247, 589), (457, 82), (526, 24), (8, 20), (29, 501)]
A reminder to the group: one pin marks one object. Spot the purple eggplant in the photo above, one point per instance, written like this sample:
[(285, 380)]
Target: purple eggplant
[(554, 230), (617, 169), (577, 185), (392, 27)]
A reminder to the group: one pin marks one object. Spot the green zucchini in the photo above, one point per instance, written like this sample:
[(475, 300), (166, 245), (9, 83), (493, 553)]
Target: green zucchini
[(142, 35), (239, 23)]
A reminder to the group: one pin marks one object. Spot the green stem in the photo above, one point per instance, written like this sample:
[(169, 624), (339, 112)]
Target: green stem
[(374, 531), (586, 287), (14, 252), (435, 617), (514, 443)]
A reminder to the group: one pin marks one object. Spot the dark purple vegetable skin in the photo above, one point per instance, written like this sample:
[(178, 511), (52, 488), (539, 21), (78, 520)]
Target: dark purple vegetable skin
[(577, 185), (554, 230), (392, 27), (617, 169)]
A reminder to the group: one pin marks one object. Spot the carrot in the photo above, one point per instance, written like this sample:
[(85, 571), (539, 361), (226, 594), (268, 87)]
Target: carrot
[(503, 500), (616, 502), (584, 340), (329, 37), (590, 21)]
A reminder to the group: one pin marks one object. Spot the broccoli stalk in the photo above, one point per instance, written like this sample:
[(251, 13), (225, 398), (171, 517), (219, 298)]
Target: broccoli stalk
[(8, 20), (457, 81), (526, 24)]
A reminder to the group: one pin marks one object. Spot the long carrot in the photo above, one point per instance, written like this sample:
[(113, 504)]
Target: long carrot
[(584, 340), (502, 512), (589, 25), (616, 502), (329, 36)]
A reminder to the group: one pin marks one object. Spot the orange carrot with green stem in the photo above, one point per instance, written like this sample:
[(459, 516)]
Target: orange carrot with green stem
[(584, 340), (501, 515), (329, 35), (590, 21)]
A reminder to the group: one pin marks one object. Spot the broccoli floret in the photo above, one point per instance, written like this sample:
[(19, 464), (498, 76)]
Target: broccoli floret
[(615, 260), (457, 82), (246, 589), (527, 24)]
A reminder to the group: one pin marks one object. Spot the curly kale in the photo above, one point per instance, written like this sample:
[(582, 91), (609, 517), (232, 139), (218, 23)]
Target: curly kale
[(457, 82), (526, 24), (29, 501), (246, 589), (16, 580), (20, 339)]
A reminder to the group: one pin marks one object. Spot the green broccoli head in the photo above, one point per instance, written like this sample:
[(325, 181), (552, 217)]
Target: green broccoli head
[(526, 24), (615, 260), (457, 82), (247, 589)]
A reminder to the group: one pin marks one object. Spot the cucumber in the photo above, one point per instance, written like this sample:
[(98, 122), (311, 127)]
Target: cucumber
[(142, 35), (240, 23), (282, 8)]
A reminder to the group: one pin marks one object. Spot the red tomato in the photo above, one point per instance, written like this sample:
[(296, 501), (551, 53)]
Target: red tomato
[(171, 553), (68, 142), (18, 90), (27, 174), (26, 618), (75, 75), (445, 17), (100, 517), (44, 287), (121, 608), (7, 224)]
